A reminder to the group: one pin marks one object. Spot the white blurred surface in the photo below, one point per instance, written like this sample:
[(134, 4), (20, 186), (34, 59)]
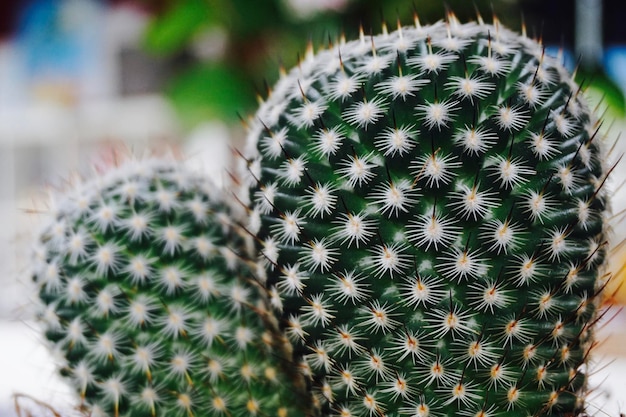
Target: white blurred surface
[(27, 368), (207, 150)]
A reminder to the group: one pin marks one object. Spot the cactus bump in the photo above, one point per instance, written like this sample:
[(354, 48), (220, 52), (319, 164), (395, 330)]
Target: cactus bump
[(431, 218), (146, 304)]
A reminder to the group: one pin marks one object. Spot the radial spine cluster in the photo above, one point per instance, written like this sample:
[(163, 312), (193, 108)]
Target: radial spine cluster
[(429, 210), (147, 306)]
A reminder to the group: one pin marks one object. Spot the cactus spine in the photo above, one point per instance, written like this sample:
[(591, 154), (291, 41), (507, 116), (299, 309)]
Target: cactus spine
[(429, 208), (145, 302)]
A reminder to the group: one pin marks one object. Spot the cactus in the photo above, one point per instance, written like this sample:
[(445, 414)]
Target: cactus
[(147, 305), (429, 209)]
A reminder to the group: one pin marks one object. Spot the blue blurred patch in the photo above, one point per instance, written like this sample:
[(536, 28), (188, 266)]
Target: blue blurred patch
[(59, 37), (615, 64), (567, 57)]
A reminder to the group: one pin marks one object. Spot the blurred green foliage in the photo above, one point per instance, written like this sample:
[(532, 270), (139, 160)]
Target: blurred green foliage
[(171, 31), (259, 36), (209, 90), (253, 38)]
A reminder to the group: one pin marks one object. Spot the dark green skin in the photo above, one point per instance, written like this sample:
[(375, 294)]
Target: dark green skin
[(562, 392), (274, 394)]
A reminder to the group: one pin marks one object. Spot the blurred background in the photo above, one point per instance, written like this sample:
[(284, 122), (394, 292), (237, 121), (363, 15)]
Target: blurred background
[(83, 81)]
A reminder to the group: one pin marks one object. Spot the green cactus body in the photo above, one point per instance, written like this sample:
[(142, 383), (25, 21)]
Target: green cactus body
[(429, 209), (146, 304)]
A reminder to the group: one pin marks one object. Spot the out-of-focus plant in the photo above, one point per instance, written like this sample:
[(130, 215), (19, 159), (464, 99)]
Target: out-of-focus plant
[(238, 45), (229, 42)]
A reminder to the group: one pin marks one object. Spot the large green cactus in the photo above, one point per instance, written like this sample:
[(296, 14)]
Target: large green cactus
[(430, 212), (146, 304)]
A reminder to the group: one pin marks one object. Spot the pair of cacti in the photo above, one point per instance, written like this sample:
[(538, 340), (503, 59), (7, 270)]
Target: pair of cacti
[(427, 213)]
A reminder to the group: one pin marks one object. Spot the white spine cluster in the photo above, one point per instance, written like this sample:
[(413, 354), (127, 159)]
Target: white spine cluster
[(436, 209), (141, 297)]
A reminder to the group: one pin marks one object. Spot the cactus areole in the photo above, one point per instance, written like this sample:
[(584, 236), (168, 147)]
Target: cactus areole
[(145, 304), (429, 208)]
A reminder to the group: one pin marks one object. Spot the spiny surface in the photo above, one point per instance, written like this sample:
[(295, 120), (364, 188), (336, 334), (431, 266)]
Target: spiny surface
[(429, 208), (146, 305)]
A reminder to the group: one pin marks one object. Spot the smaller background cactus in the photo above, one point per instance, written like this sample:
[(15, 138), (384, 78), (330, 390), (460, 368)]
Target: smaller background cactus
[(146, 304)]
